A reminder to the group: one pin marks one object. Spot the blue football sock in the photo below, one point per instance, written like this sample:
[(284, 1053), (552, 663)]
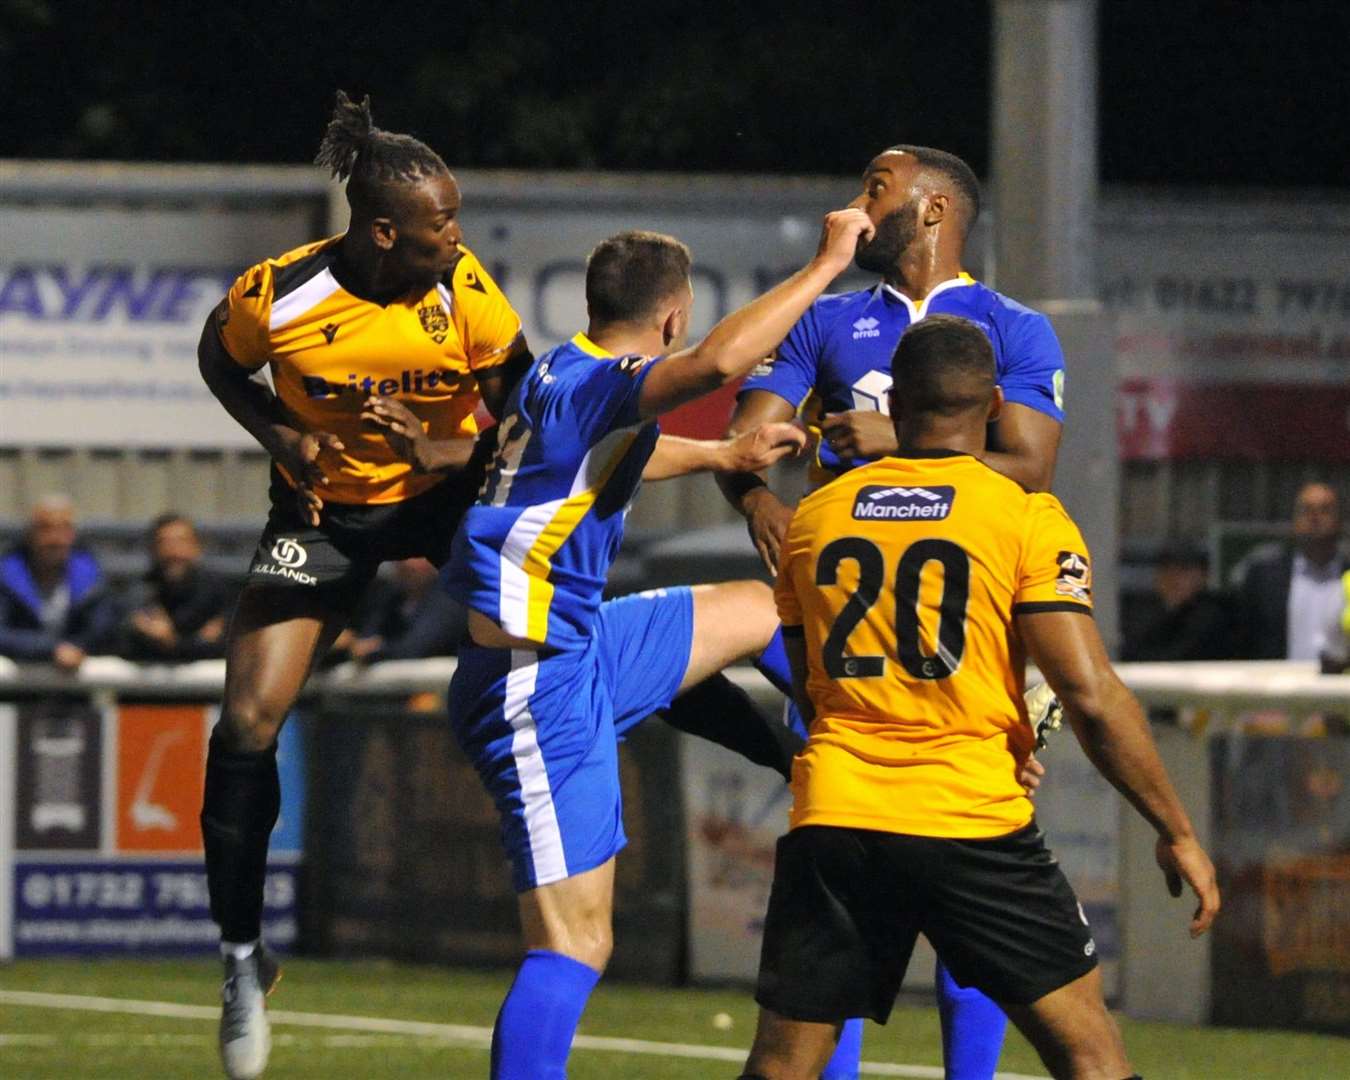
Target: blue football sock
[(534, 1030), (844, 1062), (773, 664), (972, 1029)]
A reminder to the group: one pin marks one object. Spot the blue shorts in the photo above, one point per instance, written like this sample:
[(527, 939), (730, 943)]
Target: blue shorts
[(541, 728)]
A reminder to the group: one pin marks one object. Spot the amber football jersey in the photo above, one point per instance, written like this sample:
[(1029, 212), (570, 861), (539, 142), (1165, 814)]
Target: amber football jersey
[(329, 350), (903, 576)]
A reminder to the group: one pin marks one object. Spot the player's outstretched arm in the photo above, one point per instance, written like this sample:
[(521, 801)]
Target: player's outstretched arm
[(757, 448), (1114, 733), (258, 412), (747, 335), (766, 516)]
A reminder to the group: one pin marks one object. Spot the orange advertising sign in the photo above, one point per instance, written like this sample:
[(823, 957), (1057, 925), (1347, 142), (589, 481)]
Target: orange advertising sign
[(161, 767)]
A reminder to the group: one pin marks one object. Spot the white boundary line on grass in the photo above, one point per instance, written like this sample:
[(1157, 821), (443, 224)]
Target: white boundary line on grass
[(462, 1034)]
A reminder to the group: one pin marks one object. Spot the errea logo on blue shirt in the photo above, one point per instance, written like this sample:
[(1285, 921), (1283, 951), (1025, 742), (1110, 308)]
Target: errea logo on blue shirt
[(866, 327), (877, 503)]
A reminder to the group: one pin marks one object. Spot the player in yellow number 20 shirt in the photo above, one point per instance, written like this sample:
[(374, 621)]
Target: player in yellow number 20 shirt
[(912, 591)]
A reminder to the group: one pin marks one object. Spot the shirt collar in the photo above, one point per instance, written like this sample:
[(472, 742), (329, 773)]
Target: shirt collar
[(590, 348), (1306, 568), (919, 310)]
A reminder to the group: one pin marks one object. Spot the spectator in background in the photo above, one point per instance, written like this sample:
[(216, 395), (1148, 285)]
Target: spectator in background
[(54, 603), (408, 618), (1288, 598), (1184, 619), (178, 611)]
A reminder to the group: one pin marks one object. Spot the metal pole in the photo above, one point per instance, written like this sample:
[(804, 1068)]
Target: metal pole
[(1045, 147)]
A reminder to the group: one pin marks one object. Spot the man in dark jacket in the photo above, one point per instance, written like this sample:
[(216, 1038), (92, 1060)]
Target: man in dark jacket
[(179, 610), (1184, 620), (1287, 597), (54, 604), (409, 618)]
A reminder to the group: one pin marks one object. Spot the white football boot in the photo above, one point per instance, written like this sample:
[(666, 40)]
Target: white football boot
[(245, 1035)]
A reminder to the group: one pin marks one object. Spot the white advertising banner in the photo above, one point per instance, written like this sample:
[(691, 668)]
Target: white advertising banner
[(101, 306), (100, 312), (734, 814), (1233, 329), (1079, 812)]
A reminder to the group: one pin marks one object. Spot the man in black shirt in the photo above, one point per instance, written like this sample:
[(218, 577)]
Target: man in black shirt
[(179, 609)]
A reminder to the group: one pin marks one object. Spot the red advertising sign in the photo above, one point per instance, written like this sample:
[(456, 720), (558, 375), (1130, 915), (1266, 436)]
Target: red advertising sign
[(1161, 419)]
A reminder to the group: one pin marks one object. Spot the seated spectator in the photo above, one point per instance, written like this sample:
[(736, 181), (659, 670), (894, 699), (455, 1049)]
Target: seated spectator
[(1287, 597), (54, 604), (408, 618), (179, 609), (1184, 619)]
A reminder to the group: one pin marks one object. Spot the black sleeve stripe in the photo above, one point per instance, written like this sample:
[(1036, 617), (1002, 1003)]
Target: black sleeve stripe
[(794, 631), (1039, 607)]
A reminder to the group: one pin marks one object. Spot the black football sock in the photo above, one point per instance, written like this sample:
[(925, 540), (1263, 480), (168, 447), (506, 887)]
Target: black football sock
[(241, 804), (720, 711)]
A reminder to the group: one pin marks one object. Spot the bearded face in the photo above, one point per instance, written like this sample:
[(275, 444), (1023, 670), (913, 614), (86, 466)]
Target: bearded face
[(895, 232)]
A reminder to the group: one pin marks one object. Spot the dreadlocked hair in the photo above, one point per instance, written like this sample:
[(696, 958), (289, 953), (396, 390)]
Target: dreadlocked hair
[(372, 160)]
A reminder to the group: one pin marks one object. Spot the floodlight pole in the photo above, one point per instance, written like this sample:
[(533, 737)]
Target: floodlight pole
[(1045, 147)]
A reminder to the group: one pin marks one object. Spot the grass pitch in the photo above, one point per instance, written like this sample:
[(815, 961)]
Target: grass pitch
[(38, 1043)]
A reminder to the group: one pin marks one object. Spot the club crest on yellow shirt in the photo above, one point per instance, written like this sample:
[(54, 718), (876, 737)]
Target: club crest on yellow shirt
[(434, 321)]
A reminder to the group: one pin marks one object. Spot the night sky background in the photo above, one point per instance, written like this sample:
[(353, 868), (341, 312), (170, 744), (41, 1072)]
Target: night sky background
[(1192, 92)]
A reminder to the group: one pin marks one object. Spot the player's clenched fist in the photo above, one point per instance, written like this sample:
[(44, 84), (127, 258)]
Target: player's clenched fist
[(841, 233)]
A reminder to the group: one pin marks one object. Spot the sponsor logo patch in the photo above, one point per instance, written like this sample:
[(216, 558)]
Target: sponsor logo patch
[(329, 331), (866, 327), (1075, 576), (289, 552), (877, 503), (289, 555), (416, 381)]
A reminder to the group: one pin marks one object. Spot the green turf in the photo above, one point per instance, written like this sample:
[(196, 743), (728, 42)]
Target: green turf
[(41, 1043)]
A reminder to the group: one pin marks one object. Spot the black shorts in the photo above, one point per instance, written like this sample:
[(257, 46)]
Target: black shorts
[(346, 548), (847, 905)]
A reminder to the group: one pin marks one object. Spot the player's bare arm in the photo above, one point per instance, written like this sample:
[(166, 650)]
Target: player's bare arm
[(746, 336), (794, 644), (766, 516), (496, 383), (753, 450), (407, 437), (1026, 444), (1114, 733), (256, 409)]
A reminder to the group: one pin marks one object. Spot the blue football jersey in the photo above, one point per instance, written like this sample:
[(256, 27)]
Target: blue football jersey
[(841, 349), (533, 552)]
